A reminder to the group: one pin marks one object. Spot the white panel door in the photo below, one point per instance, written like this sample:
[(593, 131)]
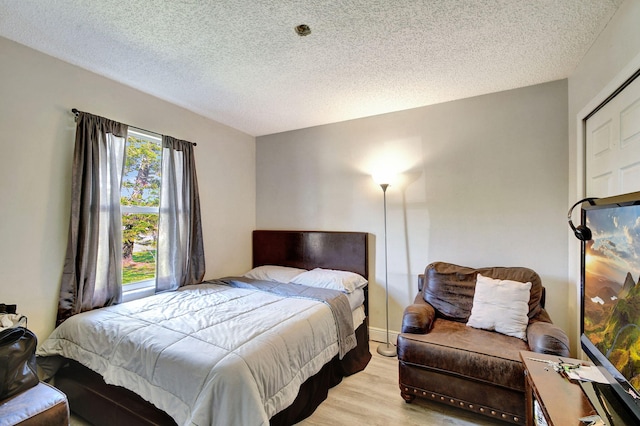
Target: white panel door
[(613, 145)]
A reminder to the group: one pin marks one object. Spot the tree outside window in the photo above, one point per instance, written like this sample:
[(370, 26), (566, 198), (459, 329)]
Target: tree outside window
[(140, 204)]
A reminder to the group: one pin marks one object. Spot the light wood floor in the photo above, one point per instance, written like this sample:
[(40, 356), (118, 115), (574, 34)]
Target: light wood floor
[(372, 397)]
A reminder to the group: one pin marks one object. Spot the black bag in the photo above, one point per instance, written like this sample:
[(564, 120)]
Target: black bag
[(18, 370)]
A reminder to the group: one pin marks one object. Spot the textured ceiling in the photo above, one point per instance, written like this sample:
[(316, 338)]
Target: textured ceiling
[(240, 62)]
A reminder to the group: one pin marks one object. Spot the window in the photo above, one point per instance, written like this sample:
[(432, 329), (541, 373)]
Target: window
[(140, 205), (122, 222)]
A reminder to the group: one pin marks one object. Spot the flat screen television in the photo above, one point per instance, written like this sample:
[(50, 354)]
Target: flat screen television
[(610, 332)]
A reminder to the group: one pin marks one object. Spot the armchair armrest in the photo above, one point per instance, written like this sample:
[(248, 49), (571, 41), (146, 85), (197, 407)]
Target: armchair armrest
[(547, 338), (418, 317)]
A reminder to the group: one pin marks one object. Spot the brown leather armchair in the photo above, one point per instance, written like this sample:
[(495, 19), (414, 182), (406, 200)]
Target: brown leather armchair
[(443, 359)]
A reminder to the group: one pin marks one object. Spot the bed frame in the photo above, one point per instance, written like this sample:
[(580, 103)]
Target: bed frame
[(101, 404)]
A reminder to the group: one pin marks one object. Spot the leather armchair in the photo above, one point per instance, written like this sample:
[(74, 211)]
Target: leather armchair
[(443, 359)]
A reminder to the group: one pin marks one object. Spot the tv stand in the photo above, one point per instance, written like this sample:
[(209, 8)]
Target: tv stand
[(606, 403)]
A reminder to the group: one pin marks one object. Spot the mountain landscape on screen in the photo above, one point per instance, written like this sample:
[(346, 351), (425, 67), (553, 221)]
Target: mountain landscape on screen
[(612, 295)]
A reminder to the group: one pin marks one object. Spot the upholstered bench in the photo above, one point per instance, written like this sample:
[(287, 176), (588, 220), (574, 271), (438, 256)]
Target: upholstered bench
[(41, 405)]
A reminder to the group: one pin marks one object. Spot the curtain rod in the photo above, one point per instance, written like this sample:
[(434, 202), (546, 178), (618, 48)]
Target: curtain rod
[(75, 111)]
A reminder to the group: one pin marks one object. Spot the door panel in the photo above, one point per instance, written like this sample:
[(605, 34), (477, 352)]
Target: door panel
[(613, 145)]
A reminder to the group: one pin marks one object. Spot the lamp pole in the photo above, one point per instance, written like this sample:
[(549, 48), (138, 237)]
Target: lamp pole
[(386, 349)]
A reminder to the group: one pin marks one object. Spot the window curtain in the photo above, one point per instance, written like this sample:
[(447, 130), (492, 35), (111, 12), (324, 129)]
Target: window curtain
[(180, 246), (92, 273)]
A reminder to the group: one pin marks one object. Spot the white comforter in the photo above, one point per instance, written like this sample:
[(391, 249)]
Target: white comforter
[(205, 354)]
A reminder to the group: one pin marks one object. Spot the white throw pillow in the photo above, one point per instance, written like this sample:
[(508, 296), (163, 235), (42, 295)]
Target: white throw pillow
[(501, 305), (281, 274), (344, 281)]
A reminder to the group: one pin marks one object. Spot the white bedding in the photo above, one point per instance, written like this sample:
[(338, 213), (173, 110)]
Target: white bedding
[(244, 364), (355, 299)]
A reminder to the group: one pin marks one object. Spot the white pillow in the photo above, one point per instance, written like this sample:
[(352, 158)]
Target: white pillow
[(344, 281), (281, 274), (501, 305)]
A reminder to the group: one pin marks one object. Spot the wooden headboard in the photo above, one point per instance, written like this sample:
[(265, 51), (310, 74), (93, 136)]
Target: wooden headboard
[(346, 251)]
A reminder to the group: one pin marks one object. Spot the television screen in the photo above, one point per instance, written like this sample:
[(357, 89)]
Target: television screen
[(611, 294)]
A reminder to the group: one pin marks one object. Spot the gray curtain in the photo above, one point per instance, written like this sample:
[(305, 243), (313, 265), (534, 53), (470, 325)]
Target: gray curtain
[(180, 246), (92, 273)]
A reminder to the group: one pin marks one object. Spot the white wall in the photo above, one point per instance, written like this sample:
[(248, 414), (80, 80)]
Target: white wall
[(613, 57), (484, 183), (37, 132)]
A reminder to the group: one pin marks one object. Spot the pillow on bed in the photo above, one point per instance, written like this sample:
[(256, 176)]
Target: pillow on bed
[(344, 281), (501, 305), (281, 274)]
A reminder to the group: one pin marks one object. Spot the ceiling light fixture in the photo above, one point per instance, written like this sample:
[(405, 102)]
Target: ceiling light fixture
[(303, 30)]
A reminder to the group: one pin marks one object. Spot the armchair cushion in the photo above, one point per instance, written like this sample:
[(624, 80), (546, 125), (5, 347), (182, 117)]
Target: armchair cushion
[(450, 288), (477, 355)]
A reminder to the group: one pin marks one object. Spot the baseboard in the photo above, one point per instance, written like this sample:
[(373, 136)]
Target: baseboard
[(380, 335)]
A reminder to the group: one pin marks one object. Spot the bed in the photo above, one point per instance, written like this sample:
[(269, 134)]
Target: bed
[(91, 398)]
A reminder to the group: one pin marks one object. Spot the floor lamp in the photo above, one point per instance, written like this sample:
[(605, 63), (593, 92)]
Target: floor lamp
[(386, 349)]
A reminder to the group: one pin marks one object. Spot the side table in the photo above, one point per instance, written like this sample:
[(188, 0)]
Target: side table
[(561, 402)]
